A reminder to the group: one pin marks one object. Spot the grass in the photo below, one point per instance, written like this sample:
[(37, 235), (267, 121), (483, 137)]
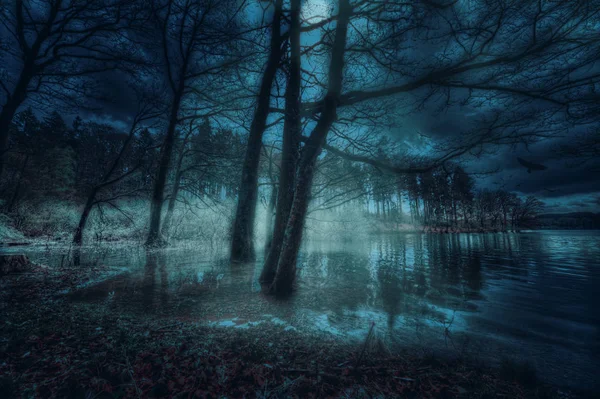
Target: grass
[(207, 222)]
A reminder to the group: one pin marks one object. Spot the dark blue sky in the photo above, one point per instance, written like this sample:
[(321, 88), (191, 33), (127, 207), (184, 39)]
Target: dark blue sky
[(563, 186)]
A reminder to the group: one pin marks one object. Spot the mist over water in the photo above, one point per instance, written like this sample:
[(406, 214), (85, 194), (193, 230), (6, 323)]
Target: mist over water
[(530, 296)]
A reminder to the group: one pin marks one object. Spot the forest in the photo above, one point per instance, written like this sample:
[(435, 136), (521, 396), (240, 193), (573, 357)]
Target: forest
[(253, 131), (93, 168)]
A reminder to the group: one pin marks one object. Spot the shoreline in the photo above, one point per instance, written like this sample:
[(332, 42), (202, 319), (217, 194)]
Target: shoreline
[(50, 241), (57, 348)]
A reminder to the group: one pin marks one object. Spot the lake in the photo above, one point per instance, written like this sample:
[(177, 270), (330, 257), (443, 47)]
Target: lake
[(531, 296)]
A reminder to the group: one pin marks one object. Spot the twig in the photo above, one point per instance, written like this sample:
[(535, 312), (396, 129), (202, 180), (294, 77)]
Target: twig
[(365, 345), (137, 389)]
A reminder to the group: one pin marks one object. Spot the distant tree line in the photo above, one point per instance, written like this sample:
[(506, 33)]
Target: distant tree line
[(567, 221), (98, 165), (442, 198)]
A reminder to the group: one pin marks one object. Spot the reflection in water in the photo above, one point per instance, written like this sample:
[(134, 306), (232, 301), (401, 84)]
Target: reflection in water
[(149, 280), (531, 294), (155, 260)]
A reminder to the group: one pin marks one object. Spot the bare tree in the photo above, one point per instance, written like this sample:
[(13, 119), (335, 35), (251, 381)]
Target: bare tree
[(53, 48), (242, 245), (286, 270), (524, 68), (290, 150), (193, 47), (146, 112)]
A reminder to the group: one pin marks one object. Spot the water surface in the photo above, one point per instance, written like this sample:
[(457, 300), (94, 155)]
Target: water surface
[(530, 295)]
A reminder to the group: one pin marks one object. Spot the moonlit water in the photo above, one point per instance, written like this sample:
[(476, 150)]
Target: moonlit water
[(531, 295)]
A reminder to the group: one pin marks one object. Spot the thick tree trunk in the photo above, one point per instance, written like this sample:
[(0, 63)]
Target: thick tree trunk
[(154, 234), (270, 213), (6, 116), (290, 149), (242, 245), (89, 204), (286, 270), (171, 207), (271, 207), (10, 109)]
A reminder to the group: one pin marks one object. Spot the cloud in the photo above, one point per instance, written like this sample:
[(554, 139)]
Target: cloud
[(573, 203)]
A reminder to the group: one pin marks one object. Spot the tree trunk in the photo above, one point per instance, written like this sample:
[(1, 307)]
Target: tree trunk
[(286, 270), (290, 149), (89, 204), (78, 236), (29, 70), (454, 216), (172, 200), (400, 211), (15, 196), (176, 185), (9, 110), (270, 213), (242, 245), (417, 216), (154, 234)]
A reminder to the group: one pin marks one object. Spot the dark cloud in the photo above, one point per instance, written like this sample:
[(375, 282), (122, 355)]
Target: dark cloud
[(120, 102), (564, 186)]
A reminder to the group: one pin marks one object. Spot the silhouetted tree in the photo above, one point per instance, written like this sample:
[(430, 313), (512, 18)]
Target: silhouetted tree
[(192, 41), (242, 244), (54, 47)]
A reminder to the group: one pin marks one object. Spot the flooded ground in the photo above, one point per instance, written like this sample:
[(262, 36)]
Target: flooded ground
[(531, 295)]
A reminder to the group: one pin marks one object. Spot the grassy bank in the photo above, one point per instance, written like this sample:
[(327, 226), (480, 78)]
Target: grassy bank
[(127, 221)]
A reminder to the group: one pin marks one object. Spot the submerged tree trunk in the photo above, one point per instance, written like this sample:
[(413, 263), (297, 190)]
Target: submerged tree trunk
[(286, 270), (291, 143), (242, 245), (154, 234)]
